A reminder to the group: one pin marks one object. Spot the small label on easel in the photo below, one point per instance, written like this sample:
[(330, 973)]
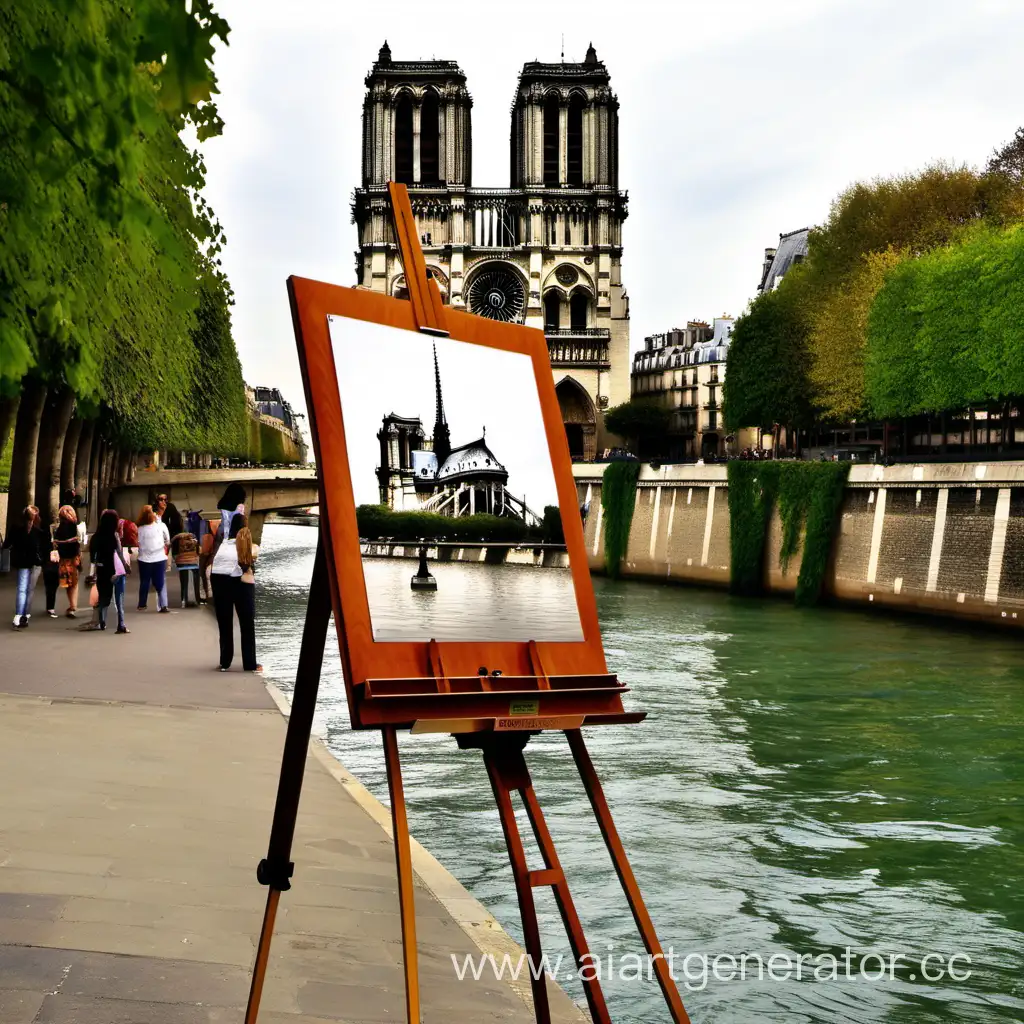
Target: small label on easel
[(535, 723), (524, 707)]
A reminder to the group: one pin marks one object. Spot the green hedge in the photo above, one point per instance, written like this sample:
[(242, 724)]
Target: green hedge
[(378, 522), (946, 330), (618, 499), (808, 496)]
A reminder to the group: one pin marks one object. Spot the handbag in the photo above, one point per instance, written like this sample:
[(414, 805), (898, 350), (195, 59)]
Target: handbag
[(55, 556)]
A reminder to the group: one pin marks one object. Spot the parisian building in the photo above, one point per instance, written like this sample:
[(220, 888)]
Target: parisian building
[(683, 369), (545, 251)]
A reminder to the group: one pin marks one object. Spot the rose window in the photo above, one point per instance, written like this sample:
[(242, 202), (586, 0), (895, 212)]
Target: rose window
[(498, 294)]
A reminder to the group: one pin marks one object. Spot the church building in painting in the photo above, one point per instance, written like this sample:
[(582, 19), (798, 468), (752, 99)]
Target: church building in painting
[(421, 474)]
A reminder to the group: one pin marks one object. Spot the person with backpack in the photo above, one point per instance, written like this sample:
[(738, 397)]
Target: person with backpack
[(185, 552)]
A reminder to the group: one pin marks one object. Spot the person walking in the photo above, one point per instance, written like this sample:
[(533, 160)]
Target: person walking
[(51, 571), (154, 544), (27, 544), (108, 566), (235, 557), (185, 552), (161, 508), (68, 538)]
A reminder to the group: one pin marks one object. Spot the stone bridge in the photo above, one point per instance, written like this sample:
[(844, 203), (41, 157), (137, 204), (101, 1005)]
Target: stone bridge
[(267, 490)]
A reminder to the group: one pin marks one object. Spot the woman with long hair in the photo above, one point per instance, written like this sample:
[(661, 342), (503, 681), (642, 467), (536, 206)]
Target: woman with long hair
[(234, 593), (154, 543), (68, 539), (27, 544), (109, 566)]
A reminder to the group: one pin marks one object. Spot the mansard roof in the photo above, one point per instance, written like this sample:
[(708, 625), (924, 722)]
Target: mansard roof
[(792, 249)]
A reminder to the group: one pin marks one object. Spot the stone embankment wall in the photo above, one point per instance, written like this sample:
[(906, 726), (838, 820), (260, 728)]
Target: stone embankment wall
[(544, 556), (940, 538)]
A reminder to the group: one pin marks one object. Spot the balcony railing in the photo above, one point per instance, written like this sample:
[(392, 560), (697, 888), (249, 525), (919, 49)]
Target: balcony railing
[(581, 347)]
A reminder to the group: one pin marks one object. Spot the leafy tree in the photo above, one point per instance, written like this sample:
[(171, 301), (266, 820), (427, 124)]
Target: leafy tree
[(638, 419), (1008, 160), (766, 368), (946, 330), (109, 248), (836, 338), (800, 350)]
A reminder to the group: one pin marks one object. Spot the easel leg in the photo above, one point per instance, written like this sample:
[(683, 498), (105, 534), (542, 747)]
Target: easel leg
[(645, 926), (503, 781), (406, 890), (276, 869), (555, 877)]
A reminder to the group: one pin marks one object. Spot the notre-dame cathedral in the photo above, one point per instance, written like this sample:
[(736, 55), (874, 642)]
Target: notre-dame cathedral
[(546, 251)]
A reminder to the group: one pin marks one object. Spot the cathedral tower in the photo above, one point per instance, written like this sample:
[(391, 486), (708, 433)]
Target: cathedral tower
[(546, 251)]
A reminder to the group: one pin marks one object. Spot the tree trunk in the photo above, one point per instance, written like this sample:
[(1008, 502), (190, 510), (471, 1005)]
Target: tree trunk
[(26, 445), (67, 462), (8, 417), (124, 474), (84, 457), (95, 466), (59, 410)]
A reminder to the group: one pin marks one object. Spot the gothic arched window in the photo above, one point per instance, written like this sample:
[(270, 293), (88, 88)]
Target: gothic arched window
[(552, 310), (551, 140), (403, 139), (574, 142), (579, 302), (429, 140)]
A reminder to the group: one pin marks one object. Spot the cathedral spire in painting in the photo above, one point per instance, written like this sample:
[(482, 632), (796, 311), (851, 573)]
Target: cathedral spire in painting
[(442, 439)]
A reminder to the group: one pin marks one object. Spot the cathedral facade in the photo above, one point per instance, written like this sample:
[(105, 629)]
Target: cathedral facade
[(546, 251)]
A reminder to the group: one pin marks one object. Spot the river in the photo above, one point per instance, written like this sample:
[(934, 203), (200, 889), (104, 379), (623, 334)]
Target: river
[(807, 781)]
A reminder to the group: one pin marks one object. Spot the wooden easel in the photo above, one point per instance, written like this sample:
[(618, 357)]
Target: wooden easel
[(470, 708)]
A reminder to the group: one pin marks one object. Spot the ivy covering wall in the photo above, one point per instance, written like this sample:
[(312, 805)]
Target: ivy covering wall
[(808, 496), (618, 499)]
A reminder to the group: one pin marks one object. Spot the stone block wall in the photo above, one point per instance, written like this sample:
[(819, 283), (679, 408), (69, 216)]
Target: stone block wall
[(946, 539)]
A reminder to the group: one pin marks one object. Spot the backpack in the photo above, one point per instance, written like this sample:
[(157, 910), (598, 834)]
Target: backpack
[(129, 534), (187, 544)]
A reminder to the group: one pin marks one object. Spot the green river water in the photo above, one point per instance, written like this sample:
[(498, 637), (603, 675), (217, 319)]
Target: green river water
[(807, 783)]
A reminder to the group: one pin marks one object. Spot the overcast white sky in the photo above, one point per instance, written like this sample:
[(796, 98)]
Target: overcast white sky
[(740, 119), (383, 370)]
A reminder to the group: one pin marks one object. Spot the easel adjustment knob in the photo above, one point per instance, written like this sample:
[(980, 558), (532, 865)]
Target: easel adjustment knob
[(275, 875)]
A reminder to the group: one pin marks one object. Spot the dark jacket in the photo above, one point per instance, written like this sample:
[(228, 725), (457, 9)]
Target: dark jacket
[(29, 548), (66, 536)]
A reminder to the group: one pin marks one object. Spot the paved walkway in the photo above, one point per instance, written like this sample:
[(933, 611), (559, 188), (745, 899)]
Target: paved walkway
[(137, 791)]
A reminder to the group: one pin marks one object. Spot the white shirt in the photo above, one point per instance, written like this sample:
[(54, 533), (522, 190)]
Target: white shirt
[(152, 541), (225, 562)]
